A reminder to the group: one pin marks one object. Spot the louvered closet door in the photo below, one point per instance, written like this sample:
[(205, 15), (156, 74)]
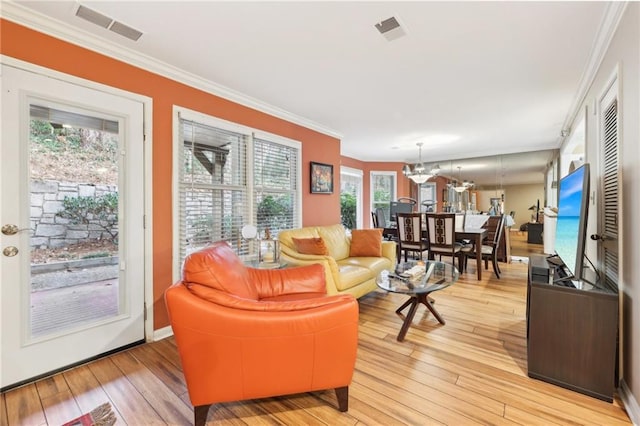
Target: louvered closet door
[(610, 206)]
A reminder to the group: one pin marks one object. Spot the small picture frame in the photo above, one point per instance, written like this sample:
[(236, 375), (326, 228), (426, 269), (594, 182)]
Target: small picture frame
[(321, 178)]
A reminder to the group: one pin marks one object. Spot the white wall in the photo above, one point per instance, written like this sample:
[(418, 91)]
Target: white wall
[(622, 55)]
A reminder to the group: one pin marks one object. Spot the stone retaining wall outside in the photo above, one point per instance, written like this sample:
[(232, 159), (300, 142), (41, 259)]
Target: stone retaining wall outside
[(50, 231)]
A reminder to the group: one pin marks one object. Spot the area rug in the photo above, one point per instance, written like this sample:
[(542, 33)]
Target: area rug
[(100, 416)]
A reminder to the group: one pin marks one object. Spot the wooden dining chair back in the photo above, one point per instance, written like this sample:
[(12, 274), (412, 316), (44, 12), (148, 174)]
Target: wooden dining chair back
[(441, 232), (411, 233), (374, 219), (489, 250)]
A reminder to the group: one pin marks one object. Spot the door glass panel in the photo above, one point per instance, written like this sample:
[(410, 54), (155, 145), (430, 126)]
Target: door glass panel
[(73, 184)]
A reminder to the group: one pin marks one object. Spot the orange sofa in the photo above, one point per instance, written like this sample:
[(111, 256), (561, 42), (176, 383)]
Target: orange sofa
[(245, 333)]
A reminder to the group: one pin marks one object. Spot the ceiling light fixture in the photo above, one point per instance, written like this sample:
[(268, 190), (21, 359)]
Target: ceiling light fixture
[(462, 185), (419, 174)]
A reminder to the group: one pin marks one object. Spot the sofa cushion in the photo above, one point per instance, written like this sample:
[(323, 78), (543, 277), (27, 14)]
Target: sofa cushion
[(366, 243), (374, 264), (286, 236), (336, 240), (218, 267), (310, 246), (351, 274)]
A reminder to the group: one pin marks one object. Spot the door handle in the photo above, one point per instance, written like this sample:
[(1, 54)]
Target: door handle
[(10, 251), (596, 237), (10, 229)]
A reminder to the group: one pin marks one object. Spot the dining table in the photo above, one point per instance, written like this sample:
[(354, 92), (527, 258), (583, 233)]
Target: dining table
[(476, 235)]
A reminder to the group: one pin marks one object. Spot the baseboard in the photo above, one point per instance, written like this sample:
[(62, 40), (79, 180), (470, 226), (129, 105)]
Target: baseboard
[(162, 333), (630, 402)]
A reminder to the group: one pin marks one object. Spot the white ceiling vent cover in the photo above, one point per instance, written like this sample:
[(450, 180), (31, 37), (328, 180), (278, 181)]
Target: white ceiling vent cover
[(93, 16), (125, 31), (109, 23), (390, 29)]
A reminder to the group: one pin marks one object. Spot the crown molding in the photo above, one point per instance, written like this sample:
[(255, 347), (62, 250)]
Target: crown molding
[(608, 26), (36, 21)]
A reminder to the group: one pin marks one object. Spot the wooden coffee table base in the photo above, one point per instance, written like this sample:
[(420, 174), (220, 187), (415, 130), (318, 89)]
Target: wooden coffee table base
[(414, 301)]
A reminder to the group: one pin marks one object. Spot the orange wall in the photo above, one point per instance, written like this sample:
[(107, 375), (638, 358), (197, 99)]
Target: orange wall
[(34, 47)]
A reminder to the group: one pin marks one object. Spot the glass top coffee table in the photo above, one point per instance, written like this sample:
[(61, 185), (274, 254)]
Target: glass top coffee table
[(417, 279)]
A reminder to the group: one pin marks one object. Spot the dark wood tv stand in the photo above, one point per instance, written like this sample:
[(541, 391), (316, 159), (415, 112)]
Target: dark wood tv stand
[(571, 334)]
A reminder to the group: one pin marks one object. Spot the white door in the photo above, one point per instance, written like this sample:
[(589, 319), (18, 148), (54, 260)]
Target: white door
[(72, 240)]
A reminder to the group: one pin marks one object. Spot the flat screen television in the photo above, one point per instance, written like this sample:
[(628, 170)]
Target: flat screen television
[(571, 229)]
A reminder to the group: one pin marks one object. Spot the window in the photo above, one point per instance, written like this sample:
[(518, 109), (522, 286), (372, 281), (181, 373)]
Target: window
[(351, 197), (383, 191), (228, 176)]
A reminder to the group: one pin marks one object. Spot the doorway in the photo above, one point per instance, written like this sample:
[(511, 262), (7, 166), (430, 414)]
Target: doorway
[(72, 183)]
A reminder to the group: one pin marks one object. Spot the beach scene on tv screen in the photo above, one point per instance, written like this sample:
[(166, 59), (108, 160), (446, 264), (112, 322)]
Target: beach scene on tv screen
[(569, 218)]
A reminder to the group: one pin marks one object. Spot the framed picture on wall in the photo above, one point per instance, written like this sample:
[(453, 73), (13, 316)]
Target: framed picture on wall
[(321, 178)]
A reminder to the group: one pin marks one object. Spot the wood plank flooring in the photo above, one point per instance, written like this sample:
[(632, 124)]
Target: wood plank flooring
[(470, 371)]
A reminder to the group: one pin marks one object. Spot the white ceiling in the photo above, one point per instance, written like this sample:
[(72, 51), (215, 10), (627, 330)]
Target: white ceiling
[(469, 79)]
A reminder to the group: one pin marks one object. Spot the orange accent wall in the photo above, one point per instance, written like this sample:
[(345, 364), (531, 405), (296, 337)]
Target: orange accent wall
[(318, 209), (31, 46)]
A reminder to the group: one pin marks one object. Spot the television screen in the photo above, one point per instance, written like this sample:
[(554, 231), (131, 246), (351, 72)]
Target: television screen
[(573, 197)]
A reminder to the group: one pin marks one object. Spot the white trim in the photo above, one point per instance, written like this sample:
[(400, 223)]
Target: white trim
[(148, 163), (42, 23), (210, 120), (359, 174), (630, 402), (180, 112), (608, 26), (351, 171), (162, 333)]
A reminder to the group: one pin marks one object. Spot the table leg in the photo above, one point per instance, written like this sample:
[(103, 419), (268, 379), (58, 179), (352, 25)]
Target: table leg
[(414, 301), (479, 256)]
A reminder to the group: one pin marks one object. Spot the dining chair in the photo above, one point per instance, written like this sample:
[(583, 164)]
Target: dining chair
[(489, 250), (441, 232), (410, 234), (374, 219), (380, 221)]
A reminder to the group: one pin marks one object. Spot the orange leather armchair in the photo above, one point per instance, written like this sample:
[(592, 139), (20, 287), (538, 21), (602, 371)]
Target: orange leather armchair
[(245, 333)]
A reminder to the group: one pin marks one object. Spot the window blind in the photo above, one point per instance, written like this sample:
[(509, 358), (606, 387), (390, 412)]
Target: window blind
[(229, 178), (213, 187), (275, 188)]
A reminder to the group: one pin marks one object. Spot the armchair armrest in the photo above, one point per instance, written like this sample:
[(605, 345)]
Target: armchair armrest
[(276, 282), (389, 251), (230, 301)]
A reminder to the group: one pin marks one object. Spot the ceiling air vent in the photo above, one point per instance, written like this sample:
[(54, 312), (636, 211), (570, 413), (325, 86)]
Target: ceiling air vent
[(390, 29), (125, 31), (93, 16), (109, 23)]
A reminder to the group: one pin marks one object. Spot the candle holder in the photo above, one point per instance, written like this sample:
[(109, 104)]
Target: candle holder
[(269, 251)]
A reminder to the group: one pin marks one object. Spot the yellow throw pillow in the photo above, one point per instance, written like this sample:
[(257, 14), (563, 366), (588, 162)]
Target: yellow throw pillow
[(310, 246), (366, 243)]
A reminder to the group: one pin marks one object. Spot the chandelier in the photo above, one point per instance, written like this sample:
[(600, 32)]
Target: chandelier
[(461, 185), (419, 173)]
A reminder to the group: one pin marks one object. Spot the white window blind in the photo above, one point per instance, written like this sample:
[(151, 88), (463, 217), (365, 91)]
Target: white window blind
[(275, 188), (213, 187), (227, 178)]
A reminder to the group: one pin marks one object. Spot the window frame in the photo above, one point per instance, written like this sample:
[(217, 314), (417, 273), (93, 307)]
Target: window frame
[(359, 175), (394, 187), (182, 113)]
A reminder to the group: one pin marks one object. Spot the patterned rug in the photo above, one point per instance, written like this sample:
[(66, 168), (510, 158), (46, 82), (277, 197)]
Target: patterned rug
[(99, 416)]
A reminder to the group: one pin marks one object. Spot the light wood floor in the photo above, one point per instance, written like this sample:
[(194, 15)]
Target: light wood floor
[(473, 370)]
